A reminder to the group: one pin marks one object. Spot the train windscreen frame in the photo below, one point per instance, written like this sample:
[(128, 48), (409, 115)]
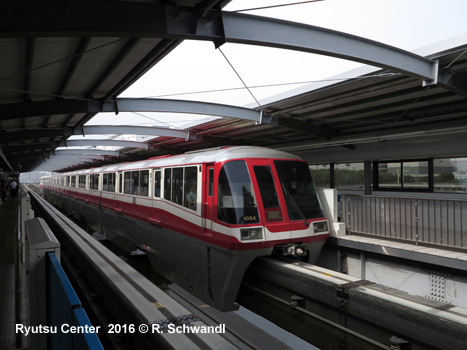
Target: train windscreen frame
[(236, 202), (298, 190)]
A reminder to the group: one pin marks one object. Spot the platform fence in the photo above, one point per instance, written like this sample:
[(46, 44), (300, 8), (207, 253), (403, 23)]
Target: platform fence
[(434, 221)]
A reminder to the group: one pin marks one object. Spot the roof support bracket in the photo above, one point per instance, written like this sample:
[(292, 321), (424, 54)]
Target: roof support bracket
[(433, 81)]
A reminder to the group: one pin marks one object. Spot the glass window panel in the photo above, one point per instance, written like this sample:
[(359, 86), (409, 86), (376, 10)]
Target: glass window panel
[(349, 176), (177, 185), (82, 181), (321, 174), (104, 182), (127, 183), (415, 175), (211, 182), (190, 187), (144, 183), (389, 175), (167, 183), (298, 190), (236, 202), (268, 193), (135, 182), (94, 181), (157, 184), (450, 175)]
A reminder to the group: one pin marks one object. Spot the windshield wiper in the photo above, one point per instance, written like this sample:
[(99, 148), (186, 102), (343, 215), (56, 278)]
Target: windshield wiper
[(289, 195)]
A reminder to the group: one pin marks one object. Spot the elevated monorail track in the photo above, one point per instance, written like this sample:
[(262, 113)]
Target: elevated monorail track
[(333, 310), (119, 295), (330, 309)]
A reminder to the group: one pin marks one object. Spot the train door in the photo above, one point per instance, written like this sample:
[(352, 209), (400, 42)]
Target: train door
[(208, 207), (156, 195)]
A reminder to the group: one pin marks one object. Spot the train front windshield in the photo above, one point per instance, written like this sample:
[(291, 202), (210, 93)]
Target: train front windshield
[(237, 202), (236, 197), (298, 190)]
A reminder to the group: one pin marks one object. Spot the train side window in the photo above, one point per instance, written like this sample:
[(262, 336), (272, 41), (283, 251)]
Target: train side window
[(108, 182), (111, 182), (135, 182), (104, 182), (94, 181), (157, 184), (177, 187), (211, 182), (82, 181), (190, 187), (127, 183), (120, 183), (73, 181), (144, 183), (167, 183)]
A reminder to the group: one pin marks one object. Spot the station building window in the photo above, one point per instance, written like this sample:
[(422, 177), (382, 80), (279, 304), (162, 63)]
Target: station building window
[(321, 175), (349, 176), (403, 175), (450, 175)]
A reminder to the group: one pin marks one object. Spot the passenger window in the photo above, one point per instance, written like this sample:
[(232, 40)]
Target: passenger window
[(104, 182), (127, 183), (135, 182), (120, 183), (157, 184), (82, 181), (167, 183), (94, 181), (144, 183), (177, 190), (108, 182), (111, 183), (190, 187)]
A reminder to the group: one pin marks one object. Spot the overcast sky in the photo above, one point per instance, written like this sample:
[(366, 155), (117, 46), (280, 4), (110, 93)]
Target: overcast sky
[(196, 66)]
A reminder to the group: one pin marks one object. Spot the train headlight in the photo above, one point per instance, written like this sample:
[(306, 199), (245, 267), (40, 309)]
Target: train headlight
[(251, 233), (321, 226)]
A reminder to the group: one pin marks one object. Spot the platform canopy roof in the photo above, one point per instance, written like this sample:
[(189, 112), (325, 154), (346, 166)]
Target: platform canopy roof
[(61, 63)]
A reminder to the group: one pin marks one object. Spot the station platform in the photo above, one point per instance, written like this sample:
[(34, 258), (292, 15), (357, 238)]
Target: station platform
[(8, 221), (428, 254)]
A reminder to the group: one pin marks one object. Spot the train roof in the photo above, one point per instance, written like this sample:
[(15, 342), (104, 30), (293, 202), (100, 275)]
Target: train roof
[(197, 157)]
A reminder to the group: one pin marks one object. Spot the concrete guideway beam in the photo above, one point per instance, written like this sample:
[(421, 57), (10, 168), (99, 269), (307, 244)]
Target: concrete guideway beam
[(294, 293)]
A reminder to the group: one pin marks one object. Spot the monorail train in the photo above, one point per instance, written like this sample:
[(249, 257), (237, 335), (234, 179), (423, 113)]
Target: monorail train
[(202, 217)]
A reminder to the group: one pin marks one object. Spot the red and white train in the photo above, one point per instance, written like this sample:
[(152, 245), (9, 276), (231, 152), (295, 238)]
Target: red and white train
[(201, 217)]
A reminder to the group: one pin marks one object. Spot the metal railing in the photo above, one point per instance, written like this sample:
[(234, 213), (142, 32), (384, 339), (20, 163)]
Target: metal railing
[(436, 221)]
